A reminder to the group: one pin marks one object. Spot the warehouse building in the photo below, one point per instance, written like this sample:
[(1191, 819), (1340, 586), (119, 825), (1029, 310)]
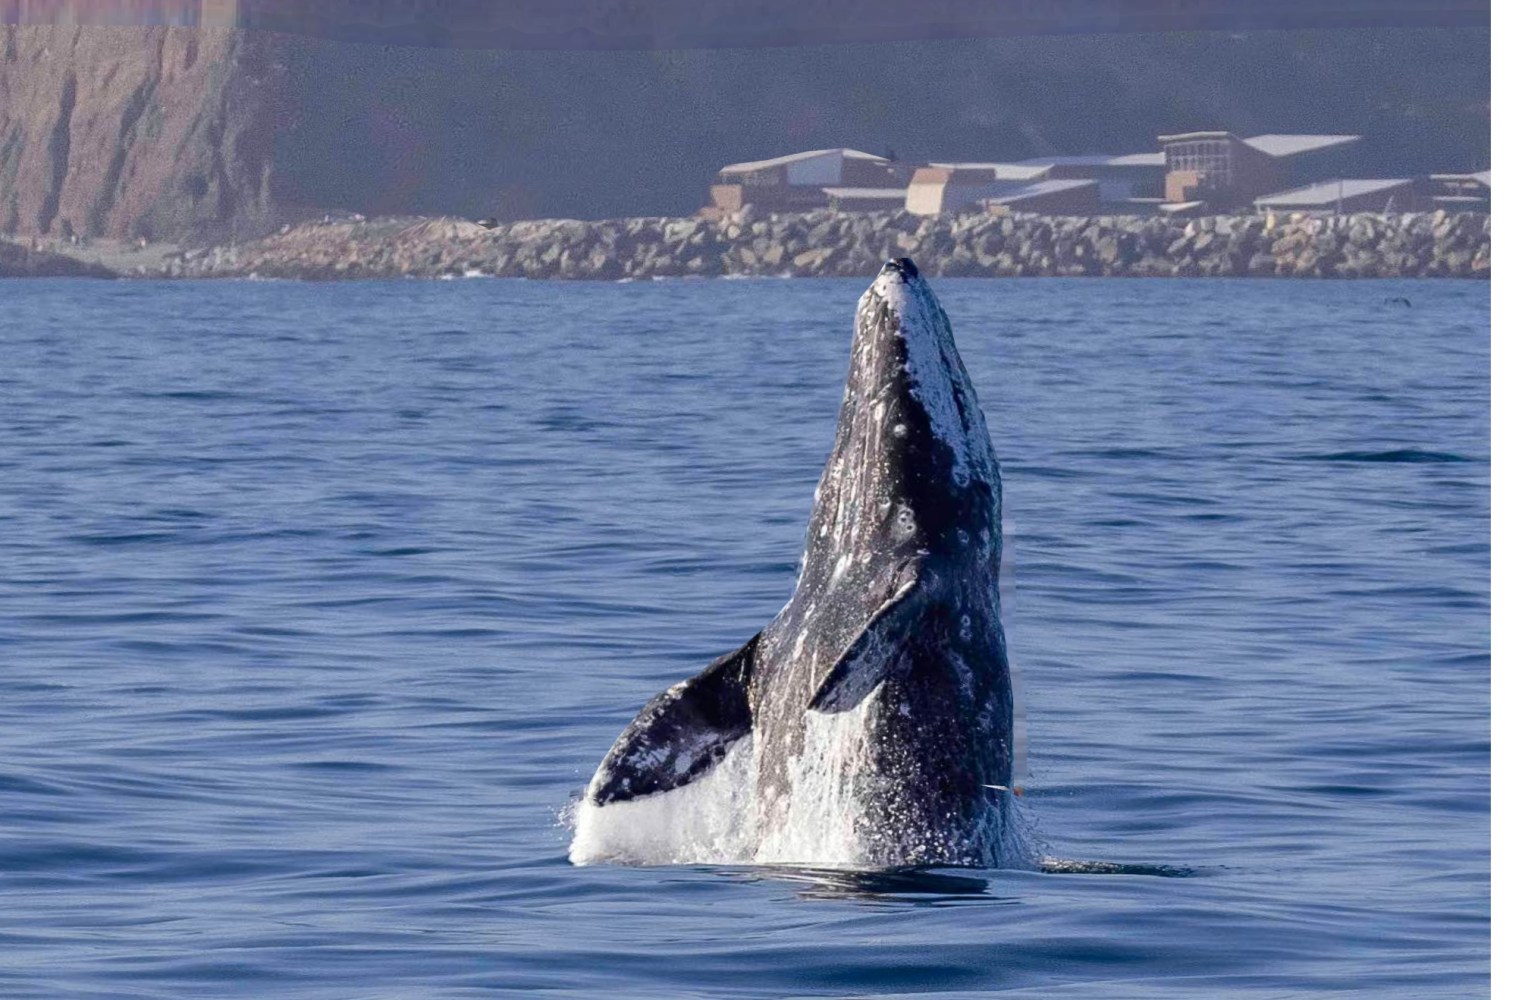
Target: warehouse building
[(966, 187), (1346, 195), (798, 181), (858, 199), (1121, 180), (1050, 197)]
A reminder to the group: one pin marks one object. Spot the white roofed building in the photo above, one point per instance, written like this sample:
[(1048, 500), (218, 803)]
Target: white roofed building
[(1071, 196), (1297, 145), (1121, 180), (799, 181), (964, 187), (846, 199), (1345, 195), (1002, 171), (1462, 192)]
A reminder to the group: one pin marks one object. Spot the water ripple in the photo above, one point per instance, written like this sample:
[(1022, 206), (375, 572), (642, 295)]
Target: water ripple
[(320, 602)]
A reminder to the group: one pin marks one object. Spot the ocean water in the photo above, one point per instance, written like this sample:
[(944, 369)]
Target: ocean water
[(320, 603)]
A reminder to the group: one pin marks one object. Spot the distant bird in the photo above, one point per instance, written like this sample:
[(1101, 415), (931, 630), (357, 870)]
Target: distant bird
[(489, 223), (1398, 300)]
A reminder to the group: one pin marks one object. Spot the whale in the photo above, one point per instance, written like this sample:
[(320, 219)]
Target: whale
[(880, 698)]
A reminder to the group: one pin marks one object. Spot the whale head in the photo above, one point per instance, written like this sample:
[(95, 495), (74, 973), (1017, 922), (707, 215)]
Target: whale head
[(912, 468)]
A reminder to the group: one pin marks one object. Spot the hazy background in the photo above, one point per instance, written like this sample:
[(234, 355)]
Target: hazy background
[(605, 133), (180, 133)]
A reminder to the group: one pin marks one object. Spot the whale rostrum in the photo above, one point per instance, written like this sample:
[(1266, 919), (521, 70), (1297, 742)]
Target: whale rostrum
[(896, 616)]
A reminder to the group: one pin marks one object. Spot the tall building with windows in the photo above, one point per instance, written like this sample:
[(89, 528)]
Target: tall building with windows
[(1220, 170)]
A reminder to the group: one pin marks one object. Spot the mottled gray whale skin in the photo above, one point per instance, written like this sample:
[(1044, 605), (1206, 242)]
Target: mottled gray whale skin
[(896, 614)]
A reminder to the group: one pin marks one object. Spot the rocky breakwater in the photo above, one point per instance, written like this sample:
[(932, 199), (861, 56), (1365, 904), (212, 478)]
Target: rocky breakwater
[(823, 244)]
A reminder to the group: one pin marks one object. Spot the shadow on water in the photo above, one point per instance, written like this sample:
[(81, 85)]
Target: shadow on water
[(910, 885), (923, 886), (1396, 456)]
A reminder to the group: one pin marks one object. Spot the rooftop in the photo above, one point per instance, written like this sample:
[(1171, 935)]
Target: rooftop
[(1098, 160), (780, 161), (1039, 188), (1155, 159), (1294, 145), (1003, 171), (1189, 136), (851, 193), (1330, 192), (1271, 144)]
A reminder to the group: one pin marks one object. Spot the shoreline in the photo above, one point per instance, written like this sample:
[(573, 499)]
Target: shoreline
[(814, 244)]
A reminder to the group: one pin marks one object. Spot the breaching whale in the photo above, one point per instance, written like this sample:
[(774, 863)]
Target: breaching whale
[(879, 699)]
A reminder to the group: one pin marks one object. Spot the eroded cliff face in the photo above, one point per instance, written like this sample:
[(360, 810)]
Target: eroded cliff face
[(135, 132)]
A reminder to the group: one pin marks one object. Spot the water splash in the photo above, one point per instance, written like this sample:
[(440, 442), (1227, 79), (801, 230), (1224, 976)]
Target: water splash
[(824, 820)]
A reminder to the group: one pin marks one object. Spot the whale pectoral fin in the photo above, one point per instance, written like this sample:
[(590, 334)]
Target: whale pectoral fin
[(875, 653), (681, 733)]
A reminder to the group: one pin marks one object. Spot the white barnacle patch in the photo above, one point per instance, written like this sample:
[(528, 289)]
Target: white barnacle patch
[(938, 380), (964, 673)]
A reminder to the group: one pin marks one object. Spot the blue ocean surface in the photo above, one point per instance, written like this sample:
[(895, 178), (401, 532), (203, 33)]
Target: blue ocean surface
[(319, 603)]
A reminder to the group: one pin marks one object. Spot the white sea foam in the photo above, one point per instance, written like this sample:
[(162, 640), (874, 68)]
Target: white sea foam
[(723, 819), (709, 821)]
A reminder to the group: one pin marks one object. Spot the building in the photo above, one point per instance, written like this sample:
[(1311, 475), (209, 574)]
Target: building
[(1461, 192), (1342, 196), (1051, 197), (798, 182), (859, 199), (963, 187), (1120, 180), (1219, 170), (999, 187), (1024, 172)]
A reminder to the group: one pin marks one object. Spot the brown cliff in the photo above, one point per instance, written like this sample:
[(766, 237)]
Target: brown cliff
[(134, 132)]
